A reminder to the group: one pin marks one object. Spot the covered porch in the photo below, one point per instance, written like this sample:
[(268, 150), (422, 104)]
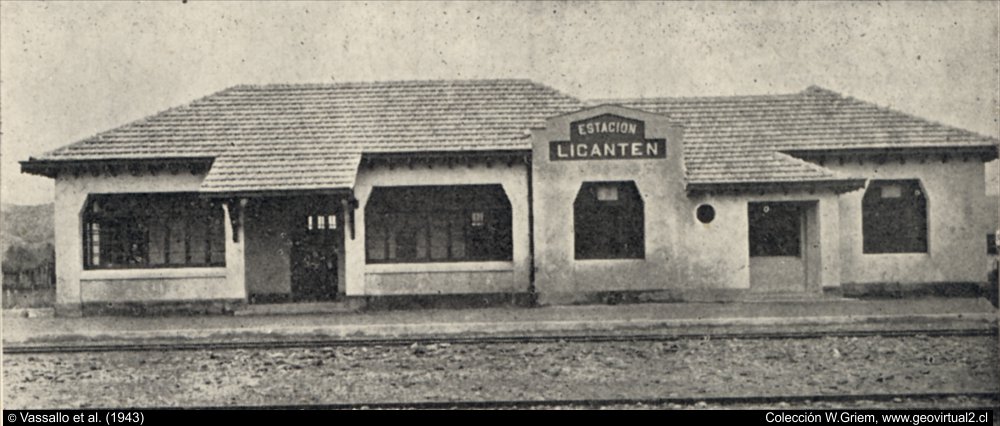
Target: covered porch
[(294, 247)]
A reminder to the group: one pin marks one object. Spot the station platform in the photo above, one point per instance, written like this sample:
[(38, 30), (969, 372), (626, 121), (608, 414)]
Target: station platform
[(826, 314)]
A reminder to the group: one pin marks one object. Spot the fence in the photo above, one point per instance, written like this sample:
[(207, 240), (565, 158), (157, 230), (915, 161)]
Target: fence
[(31, 288)]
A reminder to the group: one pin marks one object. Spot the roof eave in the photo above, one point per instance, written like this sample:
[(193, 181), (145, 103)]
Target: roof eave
[(986, 152), (410, 158), (113, 166), (257, 193), (764, 187)]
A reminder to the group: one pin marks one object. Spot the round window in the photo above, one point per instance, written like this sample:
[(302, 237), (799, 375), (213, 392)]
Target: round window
[(705, 213)]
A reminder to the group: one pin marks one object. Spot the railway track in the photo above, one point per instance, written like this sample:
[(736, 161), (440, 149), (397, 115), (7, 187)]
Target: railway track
[(505, 339), (981, 401)]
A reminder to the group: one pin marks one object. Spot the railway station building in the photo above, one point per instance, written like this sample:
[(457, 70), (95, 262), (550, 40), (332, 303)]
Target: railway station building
[(510, 190)]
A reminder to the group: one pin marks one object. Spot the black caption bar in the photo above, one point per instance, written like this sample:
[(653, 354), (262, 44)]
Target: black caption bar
[(311, 414), (76, 417)]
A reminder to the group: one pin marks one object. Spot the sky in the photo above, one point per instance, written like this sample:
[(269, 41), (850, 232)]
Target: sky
[(69, 70)]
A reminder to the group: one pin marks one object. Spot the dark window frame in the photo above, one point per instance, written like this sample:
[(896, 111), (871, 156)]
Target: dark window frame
[(416, 212), (895, 224), (609, 229), (116, 231)]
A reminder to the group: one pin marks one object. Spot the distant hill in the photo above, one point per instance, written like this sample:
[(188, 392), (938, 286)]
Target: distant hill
[(26, 235)]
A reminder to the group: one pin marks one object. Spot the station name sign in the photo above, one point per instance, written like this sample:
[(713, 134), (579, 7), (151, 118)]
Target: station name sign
[(607, 137)]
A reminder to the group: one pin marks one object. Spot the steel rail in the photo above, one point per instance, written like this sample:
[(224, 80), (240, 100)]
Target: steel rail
[(693, 401), (152, 346)]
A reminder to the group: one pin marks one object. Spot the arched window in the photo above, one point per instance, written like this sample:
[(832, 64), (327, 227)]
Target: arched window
[(894, 217), (152, 231), (438, 224), (608, 221)]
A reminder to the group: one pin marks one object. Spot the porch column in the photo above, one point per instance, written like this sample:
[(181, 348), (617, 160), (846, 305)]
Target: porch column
[(829, 240), (235, 243), (69, 202), (352, 273)]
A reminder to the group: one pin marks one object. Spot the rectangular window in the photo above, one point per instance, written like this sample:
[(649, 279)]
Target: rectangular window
[(376, 238), (158, 232), (196, 246), (322, 222), (892, 191), (216, 239), (478, 219), (458, 238), (438, 224), (607, 193), (894, 217), (152, 230), (440, 237), (93, 248), (176, 241)]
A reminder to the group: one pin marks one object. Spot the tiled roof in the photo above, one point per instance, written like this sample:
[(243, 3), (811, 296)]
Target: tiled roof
[(743, 138), (291, 165), (312, 136)]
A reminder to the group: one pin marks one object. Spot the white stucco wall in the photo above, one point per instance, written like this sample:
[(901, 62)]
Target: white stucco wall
[(958, 220), (562, 277), (441, 278), (717, 255), (682, 254), (75, 285)]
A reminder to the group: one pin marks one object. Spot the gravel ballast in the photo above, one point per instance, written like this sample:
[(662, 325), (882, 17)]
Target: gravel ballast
[(515, 371)]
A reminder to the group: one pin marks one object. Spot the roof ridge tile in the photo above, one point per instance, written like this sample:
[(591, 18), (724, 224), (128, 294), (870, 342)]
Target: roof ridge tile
[(711, 98), (383, 83), (814, 90)]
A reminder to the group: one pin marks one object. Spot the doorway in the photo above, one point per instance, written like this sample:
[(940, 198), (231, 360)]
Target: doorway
[(778, 246), (315, 245)]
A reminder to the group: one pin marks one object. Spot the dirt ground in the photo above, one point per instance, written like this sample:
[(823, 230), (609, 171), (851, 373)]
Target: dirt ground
[(685, 368)]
